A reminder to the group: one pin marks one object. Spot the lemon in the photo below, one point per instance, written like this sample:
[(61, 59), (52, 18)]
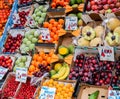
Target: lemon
[(57, 67)]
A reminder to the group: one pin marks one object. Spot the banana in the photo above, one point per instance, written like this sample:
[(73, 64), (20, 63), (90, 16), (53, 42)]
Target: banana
[(66, 73), (60, 73)]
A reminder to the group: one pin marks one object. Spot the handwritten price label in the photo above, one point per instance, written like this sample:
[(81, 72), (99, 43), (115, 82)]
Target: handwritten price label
[(71, 23), (21, 74), (31, 22), (106, 53), (47, 93), (45, 33), (16, 18), (3, 71)]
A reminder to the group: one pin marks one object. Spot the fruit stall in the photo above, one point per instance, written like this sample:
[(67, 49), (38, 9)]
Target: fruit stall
[(59, 49)]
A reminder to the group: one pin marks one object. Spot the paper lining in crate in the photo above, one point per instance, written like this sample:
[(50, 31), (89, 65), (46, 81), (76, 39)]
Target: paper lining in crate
[(10, 75), (61, 82), (14, 33), (86, 90), (12, 58)]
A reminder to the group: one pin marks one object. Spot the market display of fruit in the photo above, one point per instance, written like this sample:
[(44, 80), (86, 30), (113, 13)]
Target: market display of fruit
[(28, 43), (104, 6), (10, 87), (63, 90), (40, 14), (26, 91), (40, 58), (13, 43), (6, 61)]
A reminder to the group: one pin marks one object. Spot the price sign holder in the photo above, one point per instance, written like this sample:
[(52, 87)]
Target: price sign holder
[(3, 71), (21, 74), (106, 53), (71, 23), (47, 93), (45, 33)]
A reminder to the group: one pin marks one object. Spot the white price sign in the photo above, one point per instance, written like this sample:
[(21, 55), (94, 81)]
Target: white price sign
[(106, 53), (21, 74), (45, 33), (47, 93), (31, 22), (71, 23), (16, 18), (3, 71)]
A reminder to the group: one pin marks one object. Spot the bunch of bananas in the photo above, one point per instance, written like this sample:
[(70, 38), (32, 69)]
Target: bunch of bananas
[(62, 73)]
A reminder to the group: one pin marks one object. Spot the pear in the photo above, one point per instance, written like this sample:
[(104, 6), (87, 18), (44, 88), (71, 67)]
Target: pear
[(113, 23), (95, 42), (83, 42), (117, 30), (99, 30)]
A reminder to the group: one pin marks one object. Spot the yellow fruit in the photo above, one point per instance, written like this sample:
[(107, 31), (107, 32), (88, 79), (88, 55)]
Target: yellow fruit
[(57, 67)]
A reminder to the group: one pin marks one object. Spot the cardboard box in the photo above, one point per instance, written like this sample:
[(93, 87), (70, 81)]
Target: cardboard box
[(86, 90)]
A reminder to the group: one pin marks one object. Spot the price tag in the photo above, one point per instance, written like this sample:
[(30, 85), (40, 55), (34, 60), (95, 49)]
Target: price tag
[(21, 74), (71, 23), (45, 33), (106, 53), (16, 18), (47, 93), (3, 71), (113, 94), (31, 22)]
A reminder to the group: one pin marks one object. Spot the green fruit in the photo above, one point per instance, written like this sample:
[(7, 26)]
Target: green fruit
[(75, 6), (40, 21), (72, 2), (63, 50), (30, 37), (79, 1), (44, 9), (34, 40), (25, 40), (52, 72), (43, 15), (28, 43), (32, 46), (26, 49), (36, 34), (79, 15), (22, 46), (17, 61), (38, 14), (32, 31), (34, 15), (72, 15), (37, 18), (14, 69), (60, 56), (23, 58), (21, 64), (94, 95), (71, 49), (36, 10), (57, 67), (80, 23), (40, 7)]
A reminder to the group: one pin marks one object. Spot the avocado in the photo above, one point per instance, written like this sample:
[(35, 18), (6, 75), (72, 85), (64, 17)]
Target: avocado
[(72, 2), (72, 15), (71, 49), (79, 1), (94, 95), (75, 6), (79, 15)]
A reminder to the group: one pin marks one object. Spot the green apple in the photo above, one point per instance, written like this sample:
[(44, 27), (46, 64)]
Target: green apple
[(21, 64), (25, 40), (14, 69), (36, 10), (34, 15), (34, 40), (30, 37), (43, 15), (79, 15), (40, 7), (44, 9), (36, 34), (28, 43), (38, 13), (23, 58), (32, 32), (17, 61), (32, 46), (26, 49), (37, 18), (22, 46), (40, 21)]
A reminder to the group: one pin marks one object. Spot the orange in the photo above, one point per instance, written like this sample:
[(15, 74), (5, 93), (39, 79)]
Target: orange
[(55, 24), (51, 53), (31, 68), (33, 62), (50, 26), (61, 21), (68, 85), (36, 64), (52, 21), (42, 54), (39, 59), (55, 37), (54, 29), (52, 34), (44, 63), (45, 24), (48, 60), (51, 40), (35, 56), (59, 26)]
